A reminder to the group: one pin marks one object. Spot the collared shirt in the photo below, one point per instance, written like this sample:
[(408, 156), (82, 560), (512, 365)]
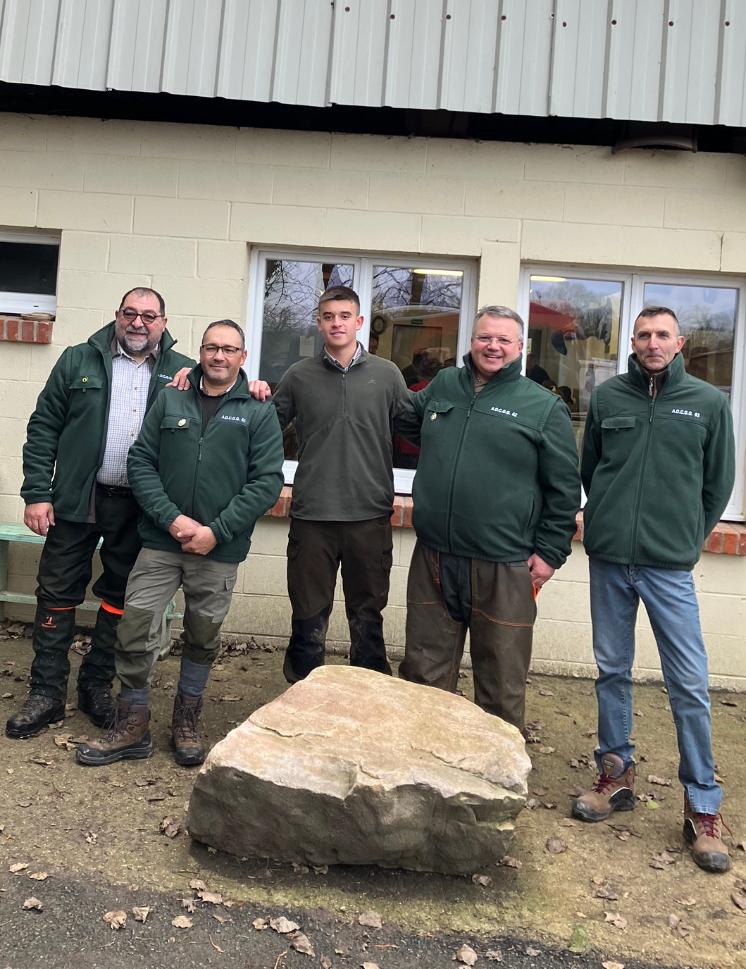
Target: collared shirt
[(130, 382), (355, 357)]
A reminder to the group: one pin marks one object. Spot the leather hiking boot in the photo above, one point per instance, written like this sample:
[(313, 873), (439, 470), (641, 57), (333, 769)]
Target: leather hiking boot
[(37, 712), (702, 834), (97, 703), (614, 790), (188, 749), (128, 738)]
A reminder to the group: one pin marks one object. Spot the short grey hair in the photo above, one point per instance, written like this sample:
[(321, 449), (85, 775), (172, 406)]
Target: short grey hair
[(500, 312)]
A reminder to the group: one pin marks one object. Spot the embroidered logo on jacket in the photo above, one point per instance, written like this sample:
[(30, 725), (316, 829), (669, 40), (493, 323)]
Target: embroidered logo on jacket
[(503, 410), (685, 413), (233, 417)]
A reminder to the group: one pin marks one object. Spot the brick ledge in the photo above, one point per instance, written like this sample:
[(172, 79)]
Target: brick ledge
[(727, 538)]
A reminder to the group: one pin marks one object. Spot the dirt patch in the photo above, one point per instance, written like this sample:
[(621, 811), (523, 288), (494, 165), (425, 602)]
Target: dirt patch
[(628, 886)]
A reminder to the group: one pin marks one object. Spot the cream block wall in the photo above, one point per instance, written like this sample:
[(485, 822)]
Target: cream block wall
[(180, 207)]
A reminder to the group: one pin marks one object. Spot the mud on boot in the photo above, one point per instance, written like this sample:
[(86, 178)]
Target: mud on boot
[(185, 740), (128, 738), (614, 790), (38, 711)]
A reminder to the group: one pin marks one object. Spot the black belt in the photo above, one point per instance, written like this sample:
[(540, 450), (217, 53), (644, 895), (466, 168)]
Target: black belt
[(113, 491)]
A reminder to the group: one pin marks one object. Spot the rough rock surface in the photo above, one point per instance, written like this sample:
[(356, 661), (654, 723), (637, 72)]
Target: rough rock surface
[(354, 767)]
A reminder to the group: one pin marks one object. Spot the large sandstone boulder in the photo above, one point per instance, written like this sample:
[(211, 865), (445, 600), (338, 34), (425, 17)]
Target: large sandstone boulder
[(358, 768)]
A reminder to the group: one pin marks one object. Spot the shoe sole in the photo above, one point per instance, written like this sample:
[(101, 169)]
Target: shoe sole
[(717, 865), (189, 761), (28, 734), (585, 814), (101, 761)]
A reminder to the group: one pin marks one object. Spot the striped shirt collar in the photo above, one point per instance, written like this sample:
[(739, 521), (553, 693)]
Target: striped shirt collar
[(337, 365)]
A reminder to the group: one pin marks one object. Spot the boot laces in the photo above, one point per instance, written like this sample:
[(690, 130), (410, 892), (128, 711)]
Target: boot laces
[(186, 725), (604, 783), (710, 824)]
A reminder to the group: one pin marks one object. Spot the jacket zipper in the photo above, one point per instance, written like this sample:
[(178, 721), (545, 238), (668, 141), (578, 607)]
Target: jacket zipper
[(638, 497), (453, 473)]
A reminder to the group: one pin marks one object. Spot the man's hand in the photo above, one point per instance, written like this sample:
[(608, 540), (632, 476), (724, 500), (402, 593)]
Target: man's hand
[(39, 517), (182, 528), (260, 389), (202, 542), (540, 571), (180, 380)]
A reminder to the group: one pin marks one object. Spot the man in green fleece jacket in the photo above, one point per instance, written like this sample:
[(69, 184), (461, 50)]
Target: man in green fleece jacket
[(658, 468), (207, 464), (495, 498), (76, 492)]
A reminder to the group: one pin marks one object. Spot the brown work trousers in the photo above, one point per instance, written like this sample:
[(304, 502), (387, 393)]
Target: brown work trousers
[(496, 604)]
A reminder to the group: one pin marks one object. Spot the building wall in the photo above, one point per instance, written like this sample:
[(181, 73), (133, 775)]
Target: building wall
[(179, 207)]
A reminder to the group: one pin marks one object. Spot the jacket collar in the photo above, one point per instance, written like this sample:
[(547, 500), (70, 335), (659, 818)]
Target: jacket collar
[(239, 389), (360, 354), (104, 338), (511, 371), (653, 383)]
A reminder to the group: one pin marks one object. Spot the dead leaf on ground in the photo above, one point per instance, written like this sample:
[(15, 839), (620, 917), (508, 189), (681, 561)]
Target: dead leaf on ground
[(546, 693), (728, 703), (465, 955), (370, 918), (493, 955), (531, 951), (170, 827), (617, 920), (507, 861), (17, 866), (260, 924), (567, 823), (301, 943), (64, 740), (115, 920), (39, 876), (90, 837), (320, 869), (197, 884), (483, 880), (370, 965), (325, 962), (33, 903), (604, 889), (230, 698), (189, 904), (555, 846), (612, 965), (663, 858), (182, 922), (661, 781), (210, 898), (546, 749), (220, 919), (739, 900), (283, 926), (141, 912)]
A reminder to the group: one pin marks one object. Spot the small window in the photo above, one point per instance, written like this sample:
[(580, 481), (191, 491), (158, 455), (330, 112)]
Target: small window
[(28, 274)]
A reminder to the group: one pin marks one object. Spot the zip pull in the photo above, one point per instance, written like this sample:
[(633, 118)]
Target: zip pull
[(199, 452), (651, 389)]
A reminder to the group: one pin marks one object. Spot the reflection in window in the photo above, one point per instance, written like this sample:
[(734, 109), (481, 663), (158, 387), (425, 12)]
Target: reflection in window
[(573, 338), (707, 317), (414, 322)]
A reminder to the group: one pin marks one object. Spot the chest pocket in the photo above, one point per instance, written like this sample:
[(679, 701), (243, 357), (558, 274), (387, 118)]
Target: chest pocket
[(172, 422), (435, 409), (86, 383), (618, 423)]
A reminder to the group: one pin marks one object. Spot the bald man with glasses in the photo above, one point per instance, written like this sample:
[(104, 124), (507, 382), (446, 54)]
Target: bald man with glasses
[(77, 492)]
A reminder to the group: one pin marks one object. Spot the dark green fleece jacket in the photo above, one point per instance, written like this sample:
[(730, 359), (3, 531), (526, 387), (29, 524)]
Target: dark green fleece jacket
[(344, 425), (658, 468), (497, 477), (225, 477), (66, 435)]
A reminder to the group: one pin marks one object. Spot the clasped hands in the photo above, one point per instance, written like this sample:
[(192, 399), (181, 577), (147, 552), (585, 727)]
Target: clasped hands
[(193, 537)]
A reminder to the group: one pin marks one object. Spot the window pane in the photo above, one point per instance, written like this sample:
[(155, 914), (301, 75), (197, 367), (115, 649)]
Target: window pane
[(28, 268), (707, 316), (414, 321), (573, 338)]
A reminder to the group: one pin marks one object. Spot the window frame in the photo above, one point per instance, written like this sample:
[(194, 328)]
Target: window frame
[(633, 282), (362, 263), (12, 303)]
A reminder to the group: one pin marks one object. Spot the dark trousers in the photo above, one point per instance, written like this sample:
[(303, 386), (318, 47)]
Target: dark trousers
[(315, 552), (448, 595), (65, 569)]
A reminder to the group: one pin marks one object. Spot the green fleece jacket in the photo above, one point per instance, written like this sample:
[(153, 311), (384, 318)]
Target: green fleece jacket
[(658, 469), (344, 424), (225, 477), (497, 477), (66, 435)]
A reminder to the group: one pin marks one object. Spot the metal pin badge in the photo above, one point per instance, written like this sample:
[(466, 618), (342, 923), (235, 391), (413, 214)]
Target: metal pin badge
[(433, 416), (182, 422)]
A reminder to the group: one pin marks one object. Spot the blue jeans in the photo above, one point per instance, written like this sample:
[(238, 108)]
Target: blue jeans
[(671, 605)]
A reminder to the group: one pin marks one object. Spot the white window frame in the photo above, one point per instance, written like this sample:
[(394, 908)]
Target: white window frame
[(11, 302), (632, 300), (362, 263)]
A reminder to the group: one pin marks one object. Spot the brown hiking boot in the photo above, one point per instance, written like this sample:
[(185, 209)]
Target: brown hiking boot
[(613, 791), (702, 834), (127, 739), (188, 749)]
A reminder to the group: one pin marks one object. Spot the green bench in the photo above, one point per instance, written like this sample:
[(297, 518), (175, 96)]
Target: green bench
[(10, 533)]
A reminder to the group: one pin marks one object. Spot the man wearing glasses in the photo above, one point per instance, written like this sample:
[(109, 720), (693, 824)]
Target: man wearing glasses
[(495, 498), (207, 464), (77, 491)]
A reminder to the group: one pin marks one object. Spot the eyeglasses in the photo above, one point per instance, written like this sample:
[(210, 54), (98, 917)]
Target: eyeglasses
[(210, 349), (487, 341), (148, 317)]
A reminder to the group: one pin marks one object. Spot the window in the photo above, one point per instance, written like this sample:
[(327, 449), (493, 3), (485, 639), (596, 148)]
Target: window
[(580, 324), (28, 273), (417, 312)]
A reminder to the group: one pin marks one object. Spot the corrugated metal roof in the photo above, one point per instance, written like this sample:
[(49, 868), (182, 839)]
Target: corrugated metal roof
[(664, 60)]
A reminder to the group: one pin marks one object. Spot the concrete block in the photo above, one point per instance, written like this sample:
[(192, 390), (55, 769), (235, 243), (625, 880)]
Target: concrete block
[(67, 137), (622, 205), (514, 200), (183, 330), (196, 218), (212, 298), (11, 508), (407, 539), (73, 325), (499, 274), (277, 224), (15, 361), (270, 538), (225, 180), (721, 574), (475, 159), (387, 231), (562, 641), (18, 207), (24, 559), (392, 192), (152, 254), (722, 615), (378, 153), (100, 290), (573, 163), (264, 146), (258, 616), (705, 210), (726, 656), (12, 436), (675, 169), (128, 175), (564, 601), (11, 475), (222, 260), (394, 626), (265, 575), (733, 256), (18, 397), (314, 187), (464, 235), (88, 251), (398, 585), (183, 141), (90, 211), (39, 170), (19, 132)]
